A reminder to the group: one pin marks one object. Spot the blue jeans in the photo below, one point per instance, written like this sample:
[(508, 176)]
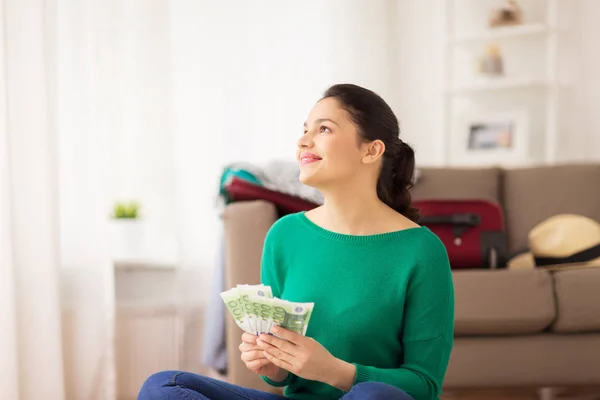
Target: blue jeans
[(177, 385)]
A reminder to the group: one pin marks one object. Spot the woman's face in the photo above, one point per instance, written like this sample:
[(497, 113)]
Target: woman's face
[(330, 151)]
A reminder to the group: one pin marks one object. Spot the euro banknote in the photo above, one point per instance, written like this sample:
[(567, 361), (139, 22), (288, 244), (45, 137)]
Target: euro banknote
[(256, 311)]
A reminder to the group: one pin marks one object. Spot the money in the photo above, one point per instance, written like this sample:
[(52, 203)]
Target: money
[(247, 291), (292, 316), (231, 298), (256, 311)]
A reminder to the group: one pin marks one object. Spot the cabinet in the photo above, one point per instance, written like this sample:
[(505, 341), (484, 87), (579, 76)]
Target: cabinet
[(150, 324)]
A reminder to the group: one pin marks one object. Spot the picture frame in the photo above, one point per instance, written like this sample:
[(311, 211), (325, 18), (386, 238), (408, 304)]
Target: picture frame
[(491, 139)]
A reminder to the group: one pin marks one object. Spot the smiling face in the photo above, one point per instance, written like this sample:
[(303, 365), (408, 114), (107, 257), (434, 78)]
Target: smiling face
[(331, 150)]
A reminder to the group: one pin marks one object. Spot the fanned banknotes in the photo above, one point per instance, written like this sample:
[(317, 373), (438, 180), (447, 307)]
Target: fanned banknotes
[(256, 311)]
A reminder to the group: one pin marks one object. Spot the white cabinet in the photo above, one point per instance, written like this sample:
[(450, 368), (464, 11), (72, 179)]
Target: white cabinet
[(149, 328)]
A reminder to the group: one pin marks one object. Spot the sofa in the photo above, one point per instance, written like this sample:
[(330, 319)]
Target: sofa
[(513, 327)]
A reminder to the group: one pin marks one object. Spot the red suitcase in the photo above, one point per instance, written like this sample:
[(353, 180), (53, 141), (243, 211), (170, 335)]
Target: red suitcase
[(472, 231)]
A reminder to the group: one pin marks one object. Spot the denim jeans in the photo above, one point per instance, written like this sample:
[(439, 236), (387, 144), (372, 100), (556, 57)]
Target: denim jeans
[(177, 385)]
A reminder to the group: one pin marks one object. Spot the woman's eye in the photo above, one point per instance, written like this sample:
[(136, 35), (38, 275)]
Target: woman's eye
[(324, 129)]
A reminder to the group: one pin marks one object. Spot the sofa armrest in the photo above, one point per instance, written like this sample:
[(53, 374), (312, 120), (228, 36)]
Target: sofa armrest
[(245, 227)]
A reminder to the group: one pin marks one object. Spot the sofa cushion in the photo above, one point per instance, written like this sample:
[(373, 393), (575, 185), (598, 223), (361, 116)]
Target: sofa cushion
[(533, 194), (457, 184), (577, 298), (531, 360), (502, 302)]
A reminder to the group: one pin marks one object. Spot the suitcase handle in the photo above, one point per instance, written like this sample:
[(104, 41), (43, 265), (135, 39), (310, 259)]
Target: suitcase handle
[(460, 222), (452, 219)]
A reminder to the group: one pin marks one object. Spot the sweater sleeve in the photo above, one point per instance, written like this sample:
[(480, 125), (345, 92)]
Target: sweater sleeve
[(271, 276), (428, 328)]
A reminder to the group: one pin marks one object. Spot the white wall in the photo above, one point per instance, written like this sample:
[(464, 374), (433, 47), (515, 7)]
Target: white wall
[(204, 84), (144, 160), (581, 138), (418, 74)]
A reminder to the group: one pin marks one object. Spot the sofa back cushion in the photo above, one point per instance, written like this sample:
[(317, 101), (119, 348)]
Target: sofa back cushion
[(458, 184), (533, 194), (502, 302)]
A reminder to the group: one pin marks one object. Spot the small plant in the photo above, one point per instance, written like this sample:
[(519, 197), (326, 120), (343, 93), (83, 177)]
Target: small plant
[(124, 210)]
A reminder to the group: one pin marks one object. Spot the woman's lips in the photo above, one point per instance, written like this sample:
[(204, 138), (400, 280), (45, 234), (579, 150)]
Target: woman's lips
[(309, 158)]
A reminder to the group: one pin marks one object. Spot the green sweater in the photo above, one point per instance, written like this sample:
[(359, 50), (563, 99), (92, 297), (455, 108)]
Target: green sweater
[(383, 302)]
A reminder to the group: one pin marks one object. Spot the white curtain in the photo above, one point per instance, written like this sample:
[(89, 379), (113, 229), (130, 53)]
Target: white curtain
[(87, 118), (57, 302), (30, 338)]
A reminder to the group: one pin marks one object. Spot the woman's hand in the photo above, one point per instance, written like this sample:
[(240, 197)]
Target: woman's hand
[(305, 357), (255, 360)]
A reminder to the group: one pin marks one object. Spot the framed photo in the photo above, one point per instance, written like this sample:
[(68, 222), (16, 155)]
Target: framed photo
[(491, 135), (500, 139)]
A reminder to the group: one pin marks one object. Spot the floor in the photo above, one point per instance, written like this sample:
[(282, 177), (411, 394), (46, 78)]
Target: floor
[(524, 394), (592, 393)]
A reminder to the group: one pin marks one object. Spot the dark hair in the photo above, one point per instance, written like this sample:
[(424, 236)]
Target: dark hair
[(376, 121)]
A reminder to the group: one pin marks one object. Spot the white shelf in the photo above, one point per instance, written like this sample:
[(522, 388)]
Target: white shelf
[(501, 33), (145, 264), (500, 83), (146, 308)]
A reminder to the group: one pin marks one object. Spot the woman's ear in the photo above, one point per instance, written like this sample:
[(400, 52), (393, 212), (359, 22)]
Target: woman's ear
[(374, 151)]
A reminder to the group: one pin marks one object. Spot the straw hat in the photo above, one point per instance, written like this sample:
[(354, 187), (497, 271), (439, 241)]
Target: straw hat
[(561, 241)]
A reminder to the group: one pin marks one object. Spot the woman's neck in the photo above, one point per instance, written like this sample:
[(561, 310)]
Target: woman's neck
[(351, 212)]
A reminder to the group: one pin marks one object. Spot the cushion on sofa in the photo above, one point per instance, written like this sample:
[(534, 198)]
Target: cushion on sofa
[(531, 360), (531, 195), (577, 300), (502, 302), (457, 184)]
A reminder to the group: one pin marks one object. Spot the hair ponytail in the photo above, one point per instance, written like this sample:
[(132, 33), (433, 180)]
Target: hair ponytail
[(396, 178), (376, 121)]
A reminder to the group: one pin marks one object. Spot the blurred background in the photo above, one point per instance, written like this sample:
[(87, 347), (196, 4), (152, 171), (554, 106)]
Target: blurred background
[(123, 124)]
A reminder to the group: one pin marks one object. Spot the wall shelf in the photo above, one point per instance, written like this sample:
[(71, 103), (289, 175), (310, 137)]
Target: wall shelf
[(497, 84), (501, 33)]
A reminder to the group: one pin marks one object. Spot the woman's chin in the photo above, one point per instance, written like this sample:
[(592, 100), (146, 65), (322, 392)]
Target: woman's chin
[(307, 178)]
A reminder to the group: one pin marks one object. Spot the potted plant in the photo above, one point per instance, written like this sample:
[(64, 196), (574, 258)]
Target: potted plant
[(127, 233)]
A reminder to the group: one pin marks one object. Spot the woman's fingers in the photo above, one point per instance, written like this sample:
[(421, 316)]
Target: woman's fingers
[(249, 338), (281, 344), (247, 347), (276, 351), (279, 362), (248, 342), (252, 355), (258, 364)]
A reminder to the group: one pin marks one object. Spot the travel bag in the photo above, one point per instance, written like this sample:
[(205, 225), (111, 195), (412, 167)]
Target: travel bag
[(472, 231)]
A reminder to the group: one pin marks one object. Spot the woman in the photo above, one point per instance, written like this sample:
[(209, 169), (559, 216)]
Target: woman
[(383, 320)]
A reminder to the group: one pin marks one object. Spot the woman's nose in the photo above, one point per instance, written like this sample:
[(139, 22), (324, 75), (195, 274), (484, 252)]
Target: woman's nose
[(305, 141)]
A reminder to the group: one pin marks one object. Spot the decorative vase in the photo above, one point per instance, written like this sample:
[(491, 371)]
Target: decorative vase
[(492, 63), (127, 238)]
